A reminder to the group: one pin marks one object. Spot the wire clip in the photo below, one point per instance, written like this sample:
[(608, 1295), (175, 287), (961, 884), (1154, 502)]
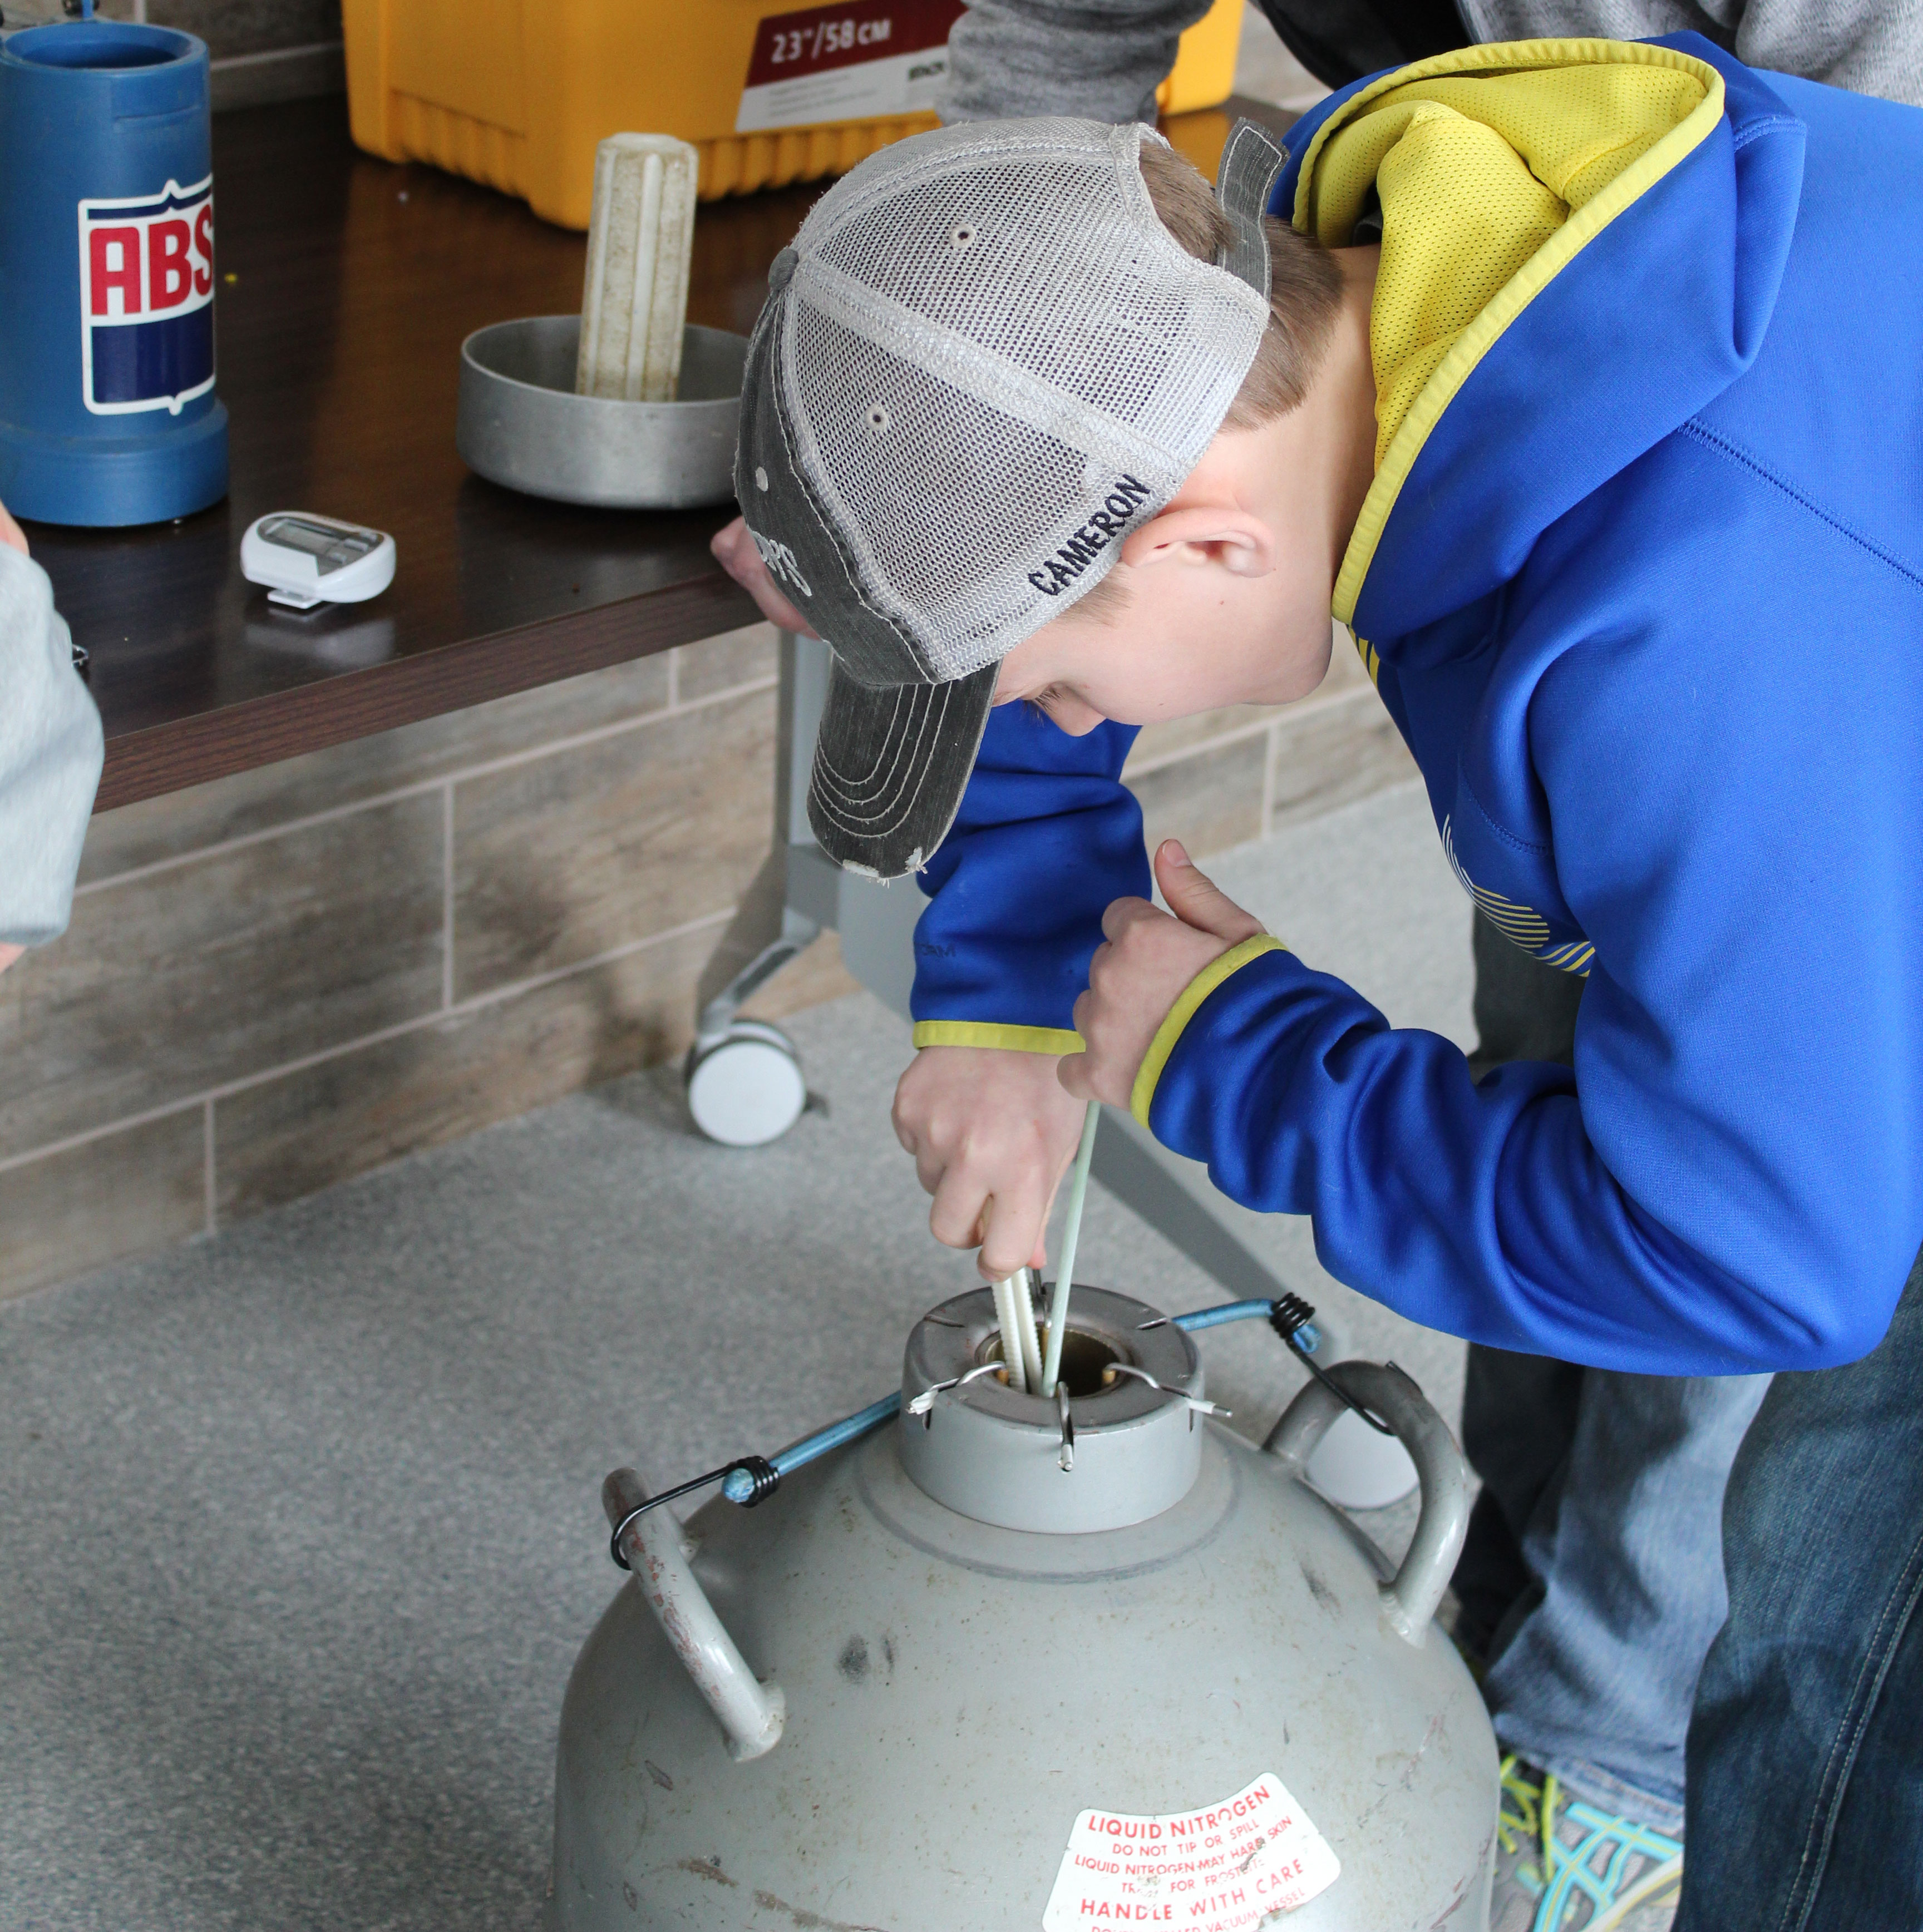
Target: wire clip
[(924, 1405), (1290, 1313), (1198, 1406), (762, 1473)]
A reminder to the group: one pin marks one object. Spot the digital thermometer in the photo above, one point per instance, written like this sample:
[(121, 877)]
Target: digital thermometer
[(305, 560)]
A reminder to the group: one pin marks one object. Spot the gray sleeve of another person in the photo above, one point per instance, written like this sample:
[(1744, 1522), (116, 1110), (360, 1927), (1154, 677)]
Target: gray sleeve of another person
[(50, 753), (1869, 47), (1096, 60)]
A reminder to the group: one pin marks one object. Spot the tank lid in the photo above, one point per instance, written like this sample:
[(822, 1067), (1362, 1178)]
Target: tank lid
[(1125, 1445)]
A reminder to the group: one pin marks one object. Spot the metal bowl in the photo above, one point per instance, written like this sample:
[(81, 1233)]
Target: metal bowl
[(521, 424)]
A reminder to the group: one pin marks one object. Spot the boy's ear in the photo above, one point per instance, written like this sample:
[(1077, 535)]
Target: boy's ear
[(1230, 538)]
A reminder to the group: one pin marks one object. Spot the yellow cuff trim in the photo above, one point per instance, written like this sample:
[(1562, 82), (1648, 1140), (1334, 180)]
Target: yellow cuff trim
[(1056, 1040), (1197, 990)]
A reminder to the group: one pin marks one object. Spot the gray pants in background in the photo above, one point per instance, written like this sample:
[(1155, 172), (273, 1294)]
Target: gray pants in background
[(1591, 1580)]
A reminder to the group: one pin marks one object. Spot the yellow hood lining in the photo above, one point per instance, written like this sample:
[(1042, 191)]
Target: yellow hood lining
[(1604, 204)]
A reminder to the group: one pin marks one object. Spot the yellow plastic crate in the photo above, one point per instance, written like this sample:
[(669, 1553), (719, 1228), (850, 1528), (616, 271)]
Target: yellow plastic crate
[(518, 93)]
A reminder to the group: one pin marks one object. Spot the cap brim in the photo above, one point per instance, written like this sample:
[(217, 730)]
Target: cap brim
[(890, 765)]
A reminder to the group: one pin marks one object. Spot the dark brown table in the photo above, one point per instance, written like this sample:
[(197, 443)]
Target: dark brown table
[(346, 285)]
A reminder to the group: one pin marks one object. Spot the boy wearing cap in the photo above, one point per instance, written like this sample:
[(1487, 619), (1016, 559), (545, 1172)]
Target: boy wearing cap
[(1606, 456)]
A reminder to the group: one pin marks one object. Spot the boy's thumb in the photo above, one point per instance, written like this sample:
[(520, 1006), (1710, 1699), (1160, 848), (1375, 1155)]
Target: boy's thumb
[(1197, 900)]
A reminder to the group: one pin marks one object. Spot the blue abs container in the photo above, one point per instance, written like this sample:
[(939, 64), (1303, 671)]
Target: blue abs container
[(107, 410)]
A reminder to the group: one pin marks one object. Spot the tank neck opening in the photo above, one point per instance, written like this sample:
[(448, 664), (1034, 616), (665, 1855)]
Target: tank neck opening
[(1084, 1357)]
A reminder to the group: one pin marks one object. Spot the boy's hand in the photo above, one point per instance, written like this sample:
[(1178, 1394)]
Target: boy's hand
[(734, 550), (1141, 973), (992, 1133)]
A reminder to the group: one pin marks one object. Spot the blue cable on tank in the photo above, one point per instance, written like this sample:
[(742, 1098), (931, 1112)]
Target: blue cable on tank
[(750, 1485), (740, 1485), (750, 1480), (1306, 1333)]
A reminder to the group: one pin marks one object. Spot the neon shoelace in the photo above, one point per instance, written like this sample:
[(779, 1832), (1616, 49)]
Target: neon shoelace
[(1567, 1869)]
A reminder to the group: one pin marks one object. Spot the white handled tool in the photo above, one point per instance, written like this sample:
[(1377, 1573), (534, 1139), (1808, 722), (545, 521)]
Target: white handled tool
[(305, 560), (1071, 1235), (1009, 1321)]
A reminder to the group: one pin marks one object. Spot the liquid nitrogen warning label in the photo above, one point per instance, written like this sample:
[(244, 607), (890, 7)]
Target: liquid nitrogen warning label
[(1219, 1868)]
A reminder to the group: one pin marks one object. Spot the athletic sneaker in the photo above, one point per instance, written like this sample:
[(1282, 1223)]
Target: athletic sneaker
[(1562, 1865)]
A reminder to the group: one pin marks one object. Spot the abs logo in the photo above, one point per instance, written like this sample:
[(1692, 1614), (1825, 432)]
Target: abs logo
[(147, 300)]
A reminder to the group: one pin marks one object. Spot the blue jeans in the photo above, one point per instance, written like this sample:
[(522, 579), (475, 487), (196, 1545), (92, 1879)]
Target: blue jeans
[(1806, 1751), (1592, 1577), (1593, 1666)]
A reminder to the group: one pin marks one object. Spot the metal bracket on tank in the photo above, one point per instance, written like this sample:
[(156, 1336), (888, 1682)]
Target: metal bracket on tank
[(1068, 1427), (752, 1714), (1409, 1599)]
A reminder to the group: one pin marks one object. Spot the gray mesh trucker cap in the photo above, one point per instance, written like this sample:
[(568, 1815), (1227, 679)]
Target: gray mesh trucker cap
[(982, 360)]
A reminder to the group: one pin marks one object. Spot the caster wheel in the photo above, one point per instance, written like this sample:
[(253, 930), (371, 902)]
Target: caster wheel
[(1356, 1469), (746, 1089)]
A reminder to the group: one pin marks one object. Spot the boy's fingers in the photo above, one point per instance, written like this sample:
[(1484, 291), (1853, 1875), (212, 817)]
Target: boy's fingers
[(1120, 914), (1072, 1070), (1197, 900), (11, 533), (734, 550), (961, 1202), (1077, 1071), (930, 1166), (1015, 1219)]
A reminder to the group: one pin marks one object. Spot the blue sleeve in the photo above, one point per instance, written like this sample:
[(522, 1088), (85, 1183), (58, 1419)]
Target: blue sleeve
[(1482, 1210), (1732, 1178), (1047, 835)]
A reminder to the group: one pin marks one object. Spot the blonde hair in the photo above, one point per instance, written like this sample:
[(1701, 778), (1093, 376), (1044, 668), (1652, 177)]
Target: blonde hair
[(1304, 297)]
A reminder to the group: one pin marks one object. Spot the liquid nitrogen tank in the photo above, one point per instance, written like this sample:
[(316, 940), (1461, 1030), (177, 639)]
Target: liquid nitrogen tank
[(1006, 1662)]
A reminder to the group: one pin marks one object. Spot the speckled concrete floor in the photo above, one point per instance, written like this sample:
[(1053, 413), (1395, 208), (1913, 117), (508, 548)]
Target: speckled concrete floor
[(299, 1525)]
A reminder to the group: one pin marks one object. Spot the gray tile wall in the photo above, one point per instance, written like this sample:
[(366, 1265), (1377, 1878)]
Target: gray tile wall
[(278, 981), (232, 27), (263, 50)]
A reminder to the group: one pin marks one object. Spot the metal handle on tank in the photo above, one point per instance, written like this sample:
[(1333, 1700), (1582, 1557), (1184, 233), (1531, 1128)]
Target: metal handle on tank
[(752, 1713), (1410, 1598)]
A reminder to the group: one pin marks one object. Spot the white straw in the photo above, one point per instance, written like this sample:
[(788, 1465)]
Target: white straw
[(1007, 1315), (1025, 1325), (1072, 1235)]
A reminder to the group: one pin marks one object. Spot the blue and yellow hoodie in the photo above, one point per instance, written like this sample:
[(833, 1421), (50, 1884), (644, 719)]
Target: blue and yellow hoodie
[(1640, 580)]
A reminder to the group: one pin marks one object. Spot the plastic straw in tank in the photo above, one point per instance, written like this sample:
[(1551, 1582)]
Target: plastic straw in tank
[(1072, 1235), (1007, 1299)]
